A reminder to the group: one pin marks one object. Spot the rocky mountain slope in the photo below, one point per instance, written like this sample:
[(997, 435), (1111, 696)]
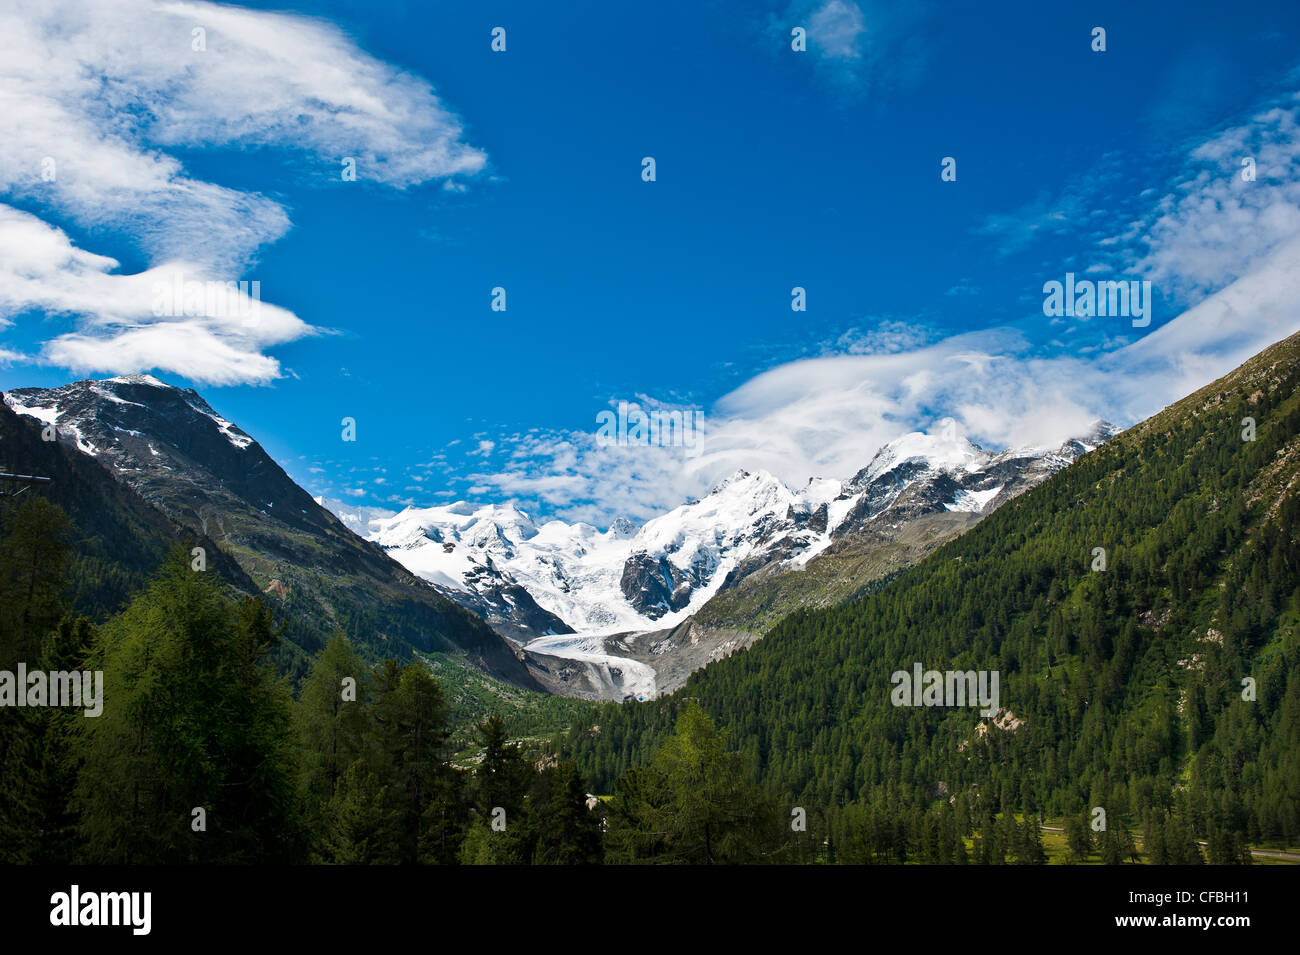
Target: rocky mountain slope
[(208, 476), (120, 539)]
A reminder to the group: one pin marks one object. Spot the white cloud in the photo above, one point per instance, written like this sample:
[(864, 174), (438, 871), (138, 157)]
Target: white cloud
[(836, 29), (118, 328), (860, 45), (1213, 224), (1204, 228), (1208, 340), (96, 94), (887, 336), (828, 416)]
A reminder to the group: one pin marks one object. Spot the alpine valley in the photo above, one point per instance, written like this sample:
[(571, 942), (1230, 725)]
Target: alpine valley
[(1121, 683), (625, 612)]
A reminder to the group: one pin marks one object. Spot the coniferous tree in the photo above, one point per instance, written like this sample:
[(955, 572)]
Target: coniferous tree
[(503, 775), (360, 825), (692, 804), (34, 764), (567, 831), (425, 791), (333, 722), (1078, 838), (192, 759), (34, 555)]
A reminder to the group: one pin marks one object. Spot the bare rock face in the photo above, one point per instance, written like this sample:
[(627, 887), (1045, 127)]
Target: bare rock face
[(654, 587)]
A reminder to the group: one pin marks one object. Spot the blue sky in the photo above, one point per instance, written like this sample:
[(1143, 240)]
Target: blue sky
[(522, 169)]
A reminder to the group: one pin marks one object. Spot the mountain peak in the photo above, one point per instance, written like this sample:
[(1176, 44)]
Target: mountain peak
[(740, 476), (943, 450), (149, 380), (1088, 439), (737, 475)]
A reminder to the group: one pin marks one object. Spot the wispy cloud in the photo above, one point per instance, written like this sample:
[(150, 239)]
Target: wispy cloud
[(1044, 216), (1205, 227), (836, 29), (96, 98), (1213, 225), (860, 46), (118, 330)]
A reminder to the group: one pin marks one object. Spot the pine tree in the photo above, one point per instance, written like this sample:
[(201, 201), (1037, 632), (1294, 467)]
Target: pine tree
[(1078, 838), (692, 804), (412, 753), (1153, 841), (567, 832), (360, 825), (333, 723), (34, 555), (35, 819), (503, 775), (191, 721)]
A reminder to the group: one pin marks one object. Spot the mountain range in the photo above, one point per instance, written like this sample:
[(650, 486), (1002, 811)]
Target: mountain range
[(627, 612), (631, 611)]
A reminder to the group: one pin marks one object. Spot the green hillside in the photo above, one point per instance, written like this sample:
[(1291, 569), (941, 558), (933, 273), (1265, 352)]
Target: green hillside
[(851, 567), (1124, 687)]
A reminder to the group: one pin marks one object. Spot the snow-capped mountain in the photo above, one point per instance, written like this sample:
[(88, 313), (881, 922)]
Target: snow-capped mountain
[(921, 473), (570, 590), (600, 582), (460, 549)]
